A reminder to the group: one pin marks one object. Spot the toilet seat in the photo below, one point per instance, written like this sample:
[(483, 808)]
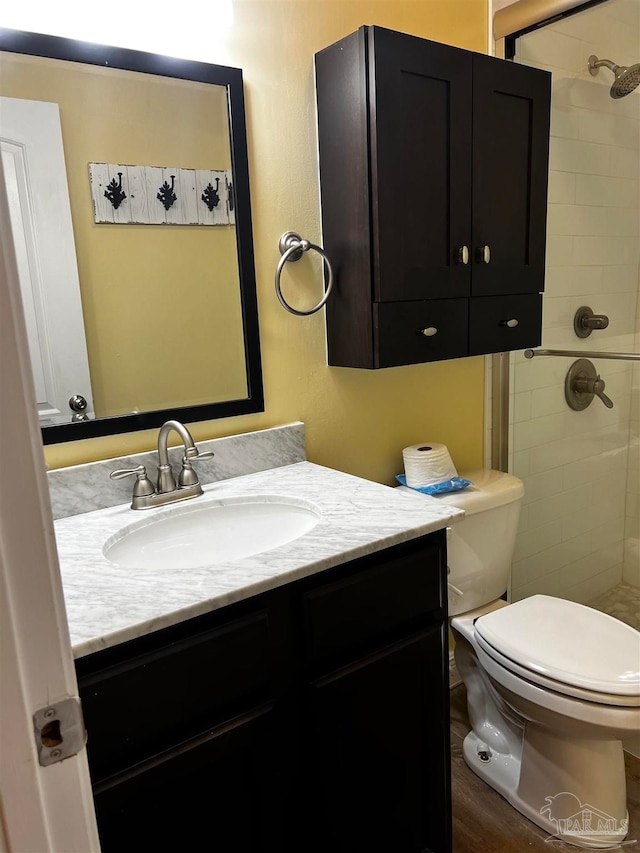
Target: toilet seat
[(565, 647)]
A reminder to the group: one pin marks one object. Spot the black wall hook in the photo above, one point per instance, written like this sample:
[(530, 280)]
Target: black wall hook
[(230, 194), (166, 194), (210, 195), (114, 192)]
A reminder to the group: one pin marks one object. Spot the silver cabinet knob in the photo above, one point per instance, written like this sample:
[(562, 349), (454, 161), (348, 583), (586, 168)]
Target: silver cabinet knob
[(483, 255), (428, 332), (463, 255), (511, 324)]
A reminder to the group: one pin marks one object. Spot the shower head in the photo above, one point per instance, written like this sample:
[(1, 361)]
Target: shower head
[(626, 79)]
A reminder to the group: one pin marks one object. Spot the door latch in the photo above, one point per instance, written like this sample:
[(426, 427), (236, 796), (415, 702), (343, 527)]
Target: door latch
[(59, 731)]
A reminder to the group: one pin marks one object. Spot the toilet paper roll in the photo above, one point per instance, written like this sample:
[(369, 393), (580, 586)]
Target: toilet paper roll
[(427, 463)]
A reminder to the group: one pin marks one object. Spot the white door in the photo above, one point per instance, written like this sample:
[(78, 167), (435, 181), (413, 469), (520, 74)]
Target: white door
[(43, 809), (36, 182)]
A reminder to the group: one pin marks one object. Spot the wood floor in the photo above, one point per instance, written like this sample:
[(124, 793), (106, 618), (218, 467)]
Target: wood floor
[(483, 822)]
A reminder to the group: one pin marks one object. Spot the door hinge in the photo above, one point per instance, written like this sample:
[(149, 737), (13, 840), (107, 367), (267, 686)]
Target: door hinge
[(59, 731)]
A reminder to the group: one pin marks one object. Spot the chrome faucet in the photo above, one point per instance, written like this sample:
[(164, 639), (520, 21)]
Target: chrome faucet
[(166, 490)]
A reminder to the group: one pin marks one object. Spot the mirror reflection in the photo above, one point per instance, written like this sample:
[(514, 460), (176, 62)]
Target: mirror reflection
[(133, 317)]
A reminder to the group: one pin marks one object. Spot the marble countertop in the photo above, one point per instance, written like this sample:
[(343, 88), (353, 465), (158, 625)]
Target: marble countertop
[(108, 604)]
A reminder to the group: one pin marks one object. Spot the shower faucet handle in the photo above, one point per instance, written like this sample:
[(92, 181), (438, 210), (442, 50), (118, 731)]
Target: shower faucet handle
[(582, 383), (595, 386), (585, 321)]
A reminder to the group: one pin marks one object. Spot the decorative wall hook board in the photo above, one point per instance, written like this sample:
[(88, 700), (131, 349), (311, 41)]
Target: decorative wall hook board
[(292, 247), (166, 194), (160, 195)]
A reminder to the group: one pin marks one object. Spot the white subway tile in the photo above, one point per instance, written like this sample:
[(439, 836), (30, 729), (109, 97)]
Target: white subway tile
[(605, 251), (560, 251), (577, 219), (548, 401), (537, 539), (562, 187), (542, 484), (559, 505), (522, 406), (579, 156), (552, 48), (624, 163), (565, 120), (605, 190), (609, 129)]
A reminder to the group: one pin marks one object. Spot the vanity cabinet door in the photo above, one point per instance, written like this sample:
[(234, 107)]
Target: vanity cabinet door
[(377, 747), (147, 700), (218, 792)]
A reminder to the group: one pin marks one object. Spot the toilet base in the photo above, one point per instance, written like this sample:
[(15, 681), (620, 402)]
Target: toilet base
[(502, 773)]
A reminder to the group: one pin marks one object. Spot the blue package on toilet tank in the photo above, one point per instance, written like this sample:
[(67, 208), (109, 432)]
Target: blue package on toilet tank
[(455, 484)]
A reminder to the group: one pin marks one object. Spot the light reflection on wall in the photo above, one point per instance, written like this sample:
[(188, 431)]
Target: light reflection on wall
[(189, 35)]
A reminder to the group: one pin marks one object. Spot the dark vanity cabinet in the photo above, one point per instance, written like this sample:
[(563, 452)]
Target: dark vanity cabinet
[(433, 173), (313, 717)]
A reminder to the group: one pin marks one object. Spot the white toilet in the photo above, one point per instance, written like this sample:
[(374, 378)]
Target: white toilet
[(553, 686)]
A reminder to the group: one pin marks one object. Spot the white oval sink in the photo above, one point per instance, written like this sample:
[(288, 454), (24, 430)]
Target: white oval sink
[(203, 534)]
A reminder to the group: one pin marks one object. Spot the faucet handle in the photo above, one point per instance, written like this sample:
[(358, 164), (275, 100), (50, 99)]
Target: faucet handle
[(204, 454), (188, 476), (194, 452), (143, 485)]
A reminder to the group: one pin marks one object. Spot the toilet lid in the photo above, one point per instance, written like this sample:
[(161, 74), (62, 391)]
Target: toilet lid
[(567, 642)]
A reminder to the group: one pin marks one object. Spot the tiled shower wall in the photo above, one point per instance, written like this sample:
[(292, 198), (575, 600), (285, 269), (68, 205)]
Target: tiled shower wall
[(579, 523)]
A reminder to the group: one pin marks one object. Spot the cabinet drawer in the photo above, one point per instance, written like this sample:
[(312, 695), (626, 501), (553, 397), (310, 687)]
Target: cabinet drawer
[(157, 699), (488, 318), (398, 331), (401, 593)]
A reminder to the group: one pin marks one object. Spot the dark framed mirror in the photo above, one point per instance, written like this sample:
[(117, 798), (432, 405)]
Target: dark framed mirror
[(164, 271)]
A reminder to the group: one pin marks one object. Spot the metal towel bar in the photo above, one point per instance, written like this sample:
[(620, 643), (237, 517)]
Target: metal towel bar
[(577, 353)]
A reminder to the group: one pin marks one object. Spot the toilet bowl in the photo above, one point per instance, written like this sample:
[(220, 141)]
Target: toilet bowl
[(553, 687)]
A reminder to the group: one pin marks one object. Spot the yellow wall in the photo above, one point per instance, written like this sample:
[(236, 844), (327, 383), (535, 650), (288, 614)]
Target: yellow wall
[(356, 420)]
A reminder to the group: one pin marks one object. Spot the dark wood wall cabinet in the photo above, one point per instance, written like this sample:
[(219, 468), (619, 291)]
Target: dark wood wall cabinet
[(433, 174), (312, 718)]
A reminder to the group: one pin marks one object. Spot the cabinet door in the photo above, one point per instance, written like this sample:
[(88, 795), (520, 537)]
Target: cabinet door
[(420, 127), (218, 792), (511, 106), (377, 748)]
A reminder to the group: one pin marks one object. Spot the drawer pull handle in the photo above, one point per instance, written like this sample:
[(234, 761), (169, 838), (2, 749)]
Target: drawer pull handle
[(511, 324), (429, 332), (463, 255), (483, 255)]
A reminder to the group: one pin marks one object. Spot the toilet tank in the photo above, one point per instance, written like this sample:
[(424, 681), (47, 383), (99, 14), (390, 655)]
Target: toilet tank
[(480, 547)]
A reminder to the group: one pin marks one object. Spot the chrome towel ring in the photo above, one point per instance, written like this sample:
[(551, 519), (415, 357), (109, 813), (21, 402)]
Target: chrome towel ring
[(292, 246)]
